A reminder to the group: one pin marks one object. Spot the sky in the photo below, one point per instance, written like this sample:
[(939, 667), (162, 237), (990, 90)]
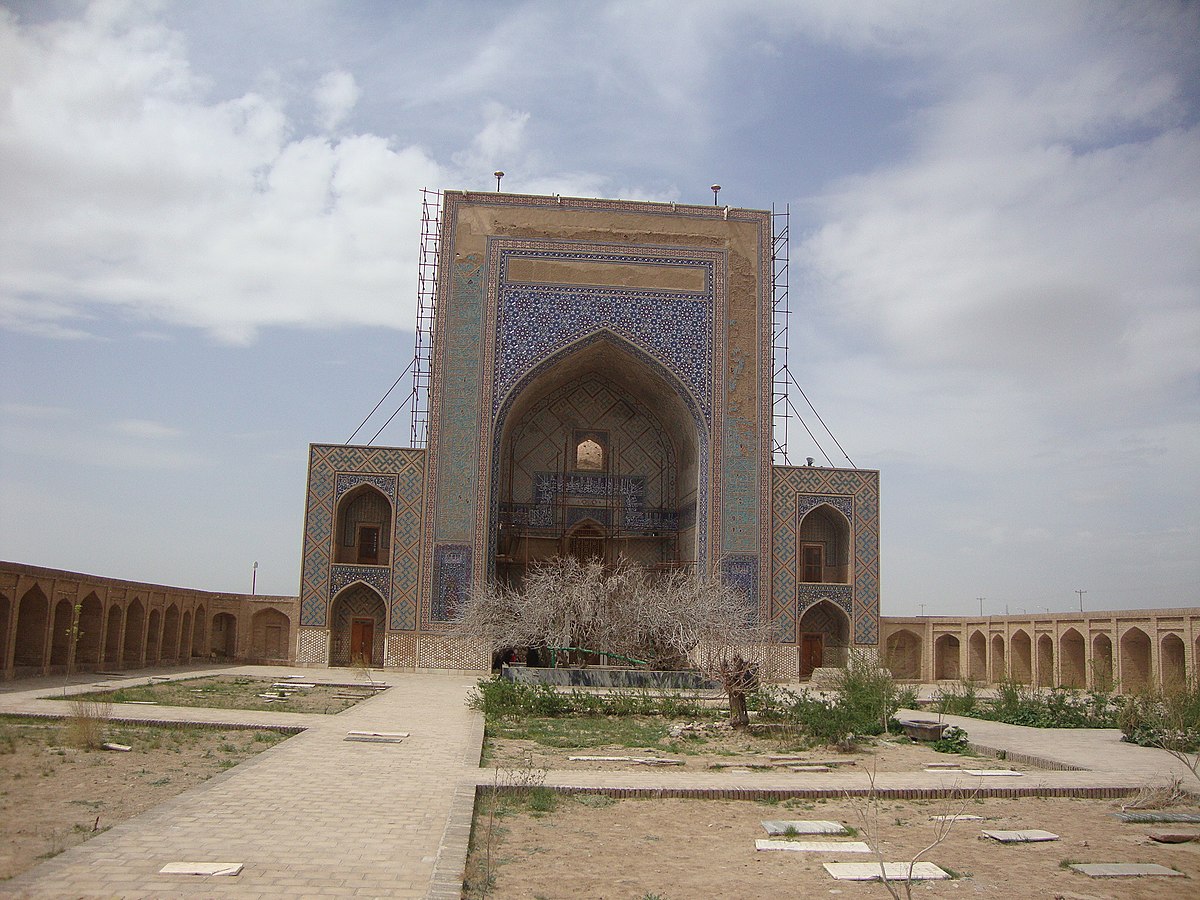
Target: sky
[(210, 220)]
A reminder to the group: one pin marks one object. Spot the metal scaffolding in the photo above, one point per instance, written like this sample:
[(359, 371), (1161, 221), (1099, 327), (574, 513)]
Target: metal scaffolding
[(427, 278), (781, 406)]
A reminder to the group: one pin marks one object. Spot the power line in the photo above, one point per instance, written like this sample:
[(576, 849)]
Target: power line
[(819, 419), (380, 403)]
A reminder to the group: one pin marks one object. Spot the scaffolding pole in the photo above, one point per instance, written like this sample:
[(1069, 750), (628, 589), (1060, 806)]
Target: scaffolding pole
[(781, 407), (427, 279)]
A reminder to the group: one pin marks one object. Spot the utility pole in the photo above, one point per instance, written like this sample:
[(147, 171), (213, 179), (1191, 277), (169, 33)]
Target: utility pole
[(922, 605), (1081, 593), (981, 599)]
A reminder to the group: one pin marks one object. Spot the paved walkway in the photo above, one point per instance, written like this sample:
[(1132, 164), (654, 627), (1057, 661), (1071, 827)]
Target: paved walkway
[(313, 816), (317, 816)]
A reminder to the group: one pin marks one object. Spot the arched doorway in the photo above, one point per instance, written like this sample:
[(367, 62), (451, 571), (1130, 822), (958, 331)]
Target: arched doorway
[(1022, 657), (153, 638), (1135, 661), (61, 633), (903, 655), (91, 625), (363, 534), (358, 618), (999, 666), (602, 447), (1045, 661), (824, 545), (270, 633), (1174, 666), (824, 637), (170, 638), (946, 653), (32, 620), (224, 635), (135, 620), (1102, 662), (199, 644), (977, 657), (1072, 658), (112, 636)]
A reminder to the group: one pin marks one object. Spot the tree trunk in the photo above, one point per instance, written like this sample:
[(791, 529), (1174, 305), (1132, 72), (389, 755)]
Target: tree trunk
[(738, 717)]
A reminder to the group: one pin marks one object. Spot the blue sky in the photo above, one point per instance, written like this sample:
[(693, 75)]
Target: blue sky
[(209, 220)]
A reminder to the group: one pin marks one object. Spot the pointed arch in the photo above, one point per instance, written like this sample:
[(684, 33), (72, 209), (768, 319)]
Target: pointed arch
[(1174, 664), (824, 637), (270, 634), (1045, 661), (363, 527), (170, 635), (823, 538), (199, 634), (112, 635), (650, 494), (89, 631), (902, 654), (1022, 656), (33, 614), (135, 622), (223, 642), (1072, 658), (154, 638), (947, 653), (1136, 662), (185, 637), (999, 665), (358, 619), (977, 656), (61, 633)]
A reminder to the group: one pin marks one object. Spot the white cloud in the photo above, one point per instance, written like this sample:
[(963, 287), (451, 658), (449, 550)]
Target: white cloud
[(335, 95), (145, 430)]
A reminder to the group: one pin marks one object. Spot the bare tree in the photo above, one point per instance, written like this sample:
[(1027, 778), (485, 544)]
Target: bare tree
[(673, 620)]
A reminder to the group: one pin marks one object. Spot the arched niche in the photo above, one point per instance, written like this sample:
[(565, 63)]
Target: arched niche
[(947, 652), (824, 545), (902, 655), (977, 657), (33, 614), (1072, 656), (358, 617), (1022, 657), (270, 634), (999, 666), (1045, 661), (824, 637), (599, 436), (1136, 663), (362, 533)]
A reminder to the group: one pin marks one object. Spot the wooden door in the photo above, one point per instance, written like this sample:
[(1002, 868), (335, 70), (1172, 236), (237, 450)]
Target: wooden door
[(368, 544), (812, 563), (812, 653), (362, 640)]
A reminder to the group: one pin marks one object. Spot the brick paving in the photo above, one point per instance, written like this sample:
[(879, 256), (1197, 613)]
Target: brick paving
[(317, 816)]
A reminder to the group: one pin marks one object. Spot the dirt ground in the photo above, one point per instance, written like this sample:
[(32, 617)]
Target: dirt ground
[(596, 847), (53, 796), (731, 750)]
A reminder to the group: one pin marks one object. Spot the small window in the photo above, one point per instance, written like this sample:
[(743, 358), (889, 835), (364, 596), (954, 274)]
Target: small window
[(589, 456), (368, 544), (812, 563)]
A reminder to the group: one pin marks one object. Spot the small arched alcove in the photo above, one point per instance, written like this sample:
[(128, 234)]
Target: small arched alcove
[(824, 637), (946, 651), (1072, 657), (357, 618), (977, 657), (902, 655), (824, 545), (363, 531)]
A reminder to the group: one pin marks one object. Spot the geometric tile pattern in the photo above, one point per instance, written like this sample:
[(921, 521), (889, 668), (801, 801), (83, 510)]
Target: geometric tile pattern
[(333, 470), (313, 646), (853, 492)]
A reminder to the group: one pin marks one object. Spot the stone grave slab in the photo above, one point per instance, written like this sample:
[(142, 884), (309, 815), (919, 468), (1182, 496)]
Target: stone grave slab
[(373, 739), (1173, 836), (387, 734), (942, 765), (777, 827), (1026, 836), (201, 868), (992, 773), (813, 846), (1124, 870), (810, 769), (956, 818), (894, 871), (1153, 818)]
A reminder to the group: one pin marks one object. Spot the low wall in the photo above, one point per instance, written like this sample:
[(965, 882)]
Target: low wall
[(603, 677)]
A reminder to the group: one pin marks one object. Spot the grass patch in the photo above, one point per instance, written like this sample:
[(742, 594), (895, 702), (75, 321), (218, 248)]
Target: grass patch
[(585, 732), (227, 692)]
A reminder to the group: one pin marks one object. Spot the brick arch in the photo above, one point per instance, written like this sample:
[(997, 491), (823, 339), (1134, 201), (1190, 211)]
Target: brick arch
[(1022, 656), (1072, 657), (1045, 661), (1137, 665), (977, 648), (1103, 671), (947, 654), (90, 631), (1173, 662), (199, 634), (112, 635), (902, 654), (33, 619), (270, 634), (999, 670), (61, 633), (154, 638), (170, 635), (356, 601), (223, 640), (362, 533)]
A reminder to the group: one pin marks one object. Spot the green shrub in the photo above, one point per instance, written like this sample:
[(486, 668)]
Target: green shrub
[(953, 740)]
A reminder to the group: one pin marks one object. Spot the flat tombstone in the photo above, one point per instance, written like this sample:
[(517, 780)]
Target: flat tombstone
[(803, 826), (201, 868), (893, 871), (993, 773), (1123, 870), (956, 818), (1028, 836), (814, 846), (1173, 837)]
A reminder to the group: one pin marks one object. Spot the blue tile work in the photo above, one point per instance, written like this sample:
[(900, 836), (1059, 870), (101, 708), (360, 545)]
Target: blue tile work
[(451, 581), (332, 471), (741, 573), (855, 493)]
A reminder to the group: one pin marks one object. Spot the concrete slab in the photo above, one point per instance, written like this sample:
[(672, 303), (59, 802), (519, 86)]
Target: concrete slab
[(1165, 836), (1026, 836), (1124, 870), (957, 818), (810, 768), (991, 773), (1151, 818), (372, 739), (803, 826), (201, 868), (813, 846), (893, 871)]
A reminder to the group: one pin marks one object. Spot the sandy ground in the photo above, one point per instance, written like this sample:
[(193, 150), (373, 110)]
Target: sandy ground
[(54, 796), (729, 749), (599, 848)]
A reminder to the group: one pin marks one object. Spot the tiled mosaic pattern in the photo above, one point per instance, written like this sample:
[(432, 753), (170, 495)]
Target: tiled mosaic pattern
[(313, 646), (855, 493), (402, 650), (435, 651), (334, 470)]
